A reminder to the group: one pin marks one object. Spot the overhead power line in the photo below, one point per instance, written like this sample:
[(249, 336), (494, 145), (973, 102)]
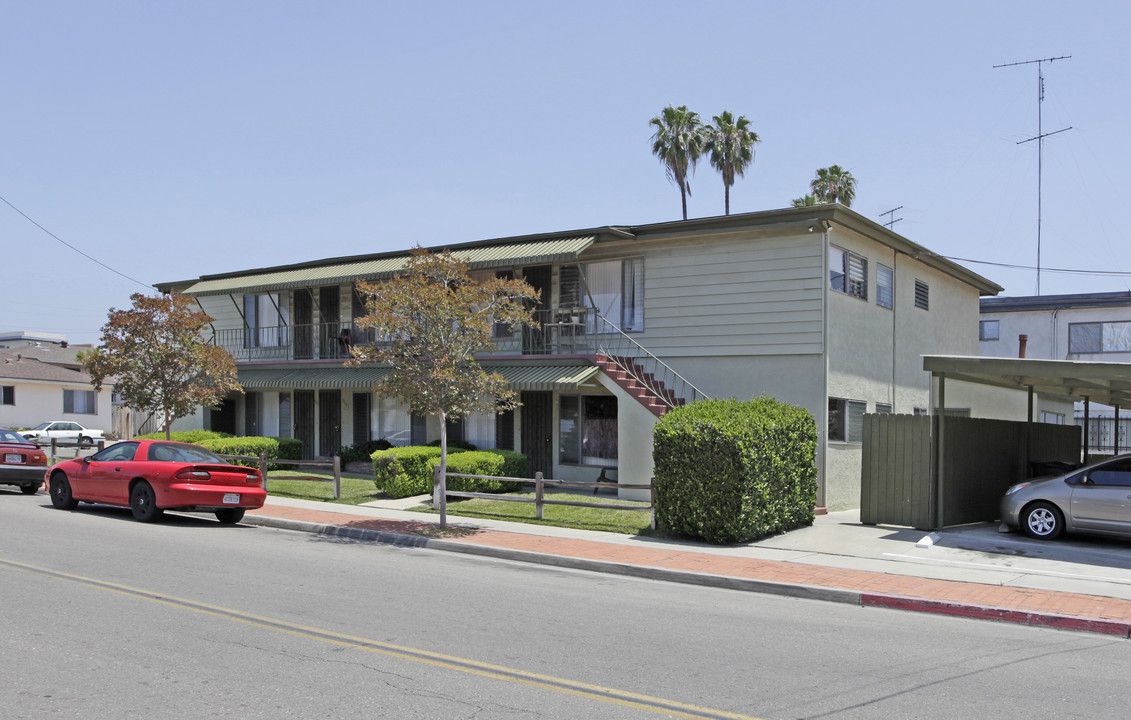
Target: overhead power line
[(1068, 271), (72, 247)]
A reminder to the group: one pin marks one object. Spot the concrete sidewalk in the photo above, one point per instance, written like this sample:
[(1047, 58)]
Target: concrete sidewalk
[(974, 571)]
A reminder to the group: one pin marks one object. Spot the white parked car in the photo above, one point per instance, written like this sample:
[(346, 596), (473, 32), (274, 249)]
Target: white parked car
[(66, 432)]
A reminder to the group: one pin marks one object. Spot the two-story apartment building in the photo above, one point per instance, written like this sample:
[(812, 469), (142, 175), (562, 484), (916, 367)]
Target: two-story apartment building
[(817, 306), (1079, 326)]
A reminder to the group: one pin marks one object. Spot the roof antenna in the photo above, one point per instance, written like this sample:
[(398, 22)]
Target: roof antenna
[(1040, 138), (892, 219)]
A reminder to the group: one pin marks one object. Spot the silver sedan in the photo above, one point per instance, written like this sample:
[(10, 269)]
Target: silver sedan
[(1091, 499)]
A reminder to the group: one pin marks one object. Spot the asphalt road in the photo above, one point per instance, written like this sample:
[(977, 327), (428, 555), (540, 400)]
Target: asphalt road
[(104, 617)]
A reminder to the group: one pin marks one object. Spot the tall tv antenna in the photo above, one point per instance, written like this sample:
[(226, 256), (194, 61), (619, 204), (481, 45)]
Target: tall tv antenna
[(1040, 138), (892, 219)]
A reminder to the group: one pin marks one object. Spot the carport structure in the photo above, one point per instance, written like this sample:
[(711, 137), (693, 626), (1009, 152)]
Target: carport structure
[(931, 472), (1108, 383)]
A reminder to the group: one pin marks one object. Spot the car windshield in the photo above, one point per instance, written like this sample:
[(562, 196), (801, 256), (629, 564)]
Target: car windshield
[(41, 426), (171, 452), (14, 437)]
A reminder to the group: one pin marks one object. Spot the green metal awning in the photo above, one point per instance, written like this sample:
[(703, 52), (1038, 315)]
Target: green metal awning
[(330, 378), (543, 377), (539, 252), (520, 377)]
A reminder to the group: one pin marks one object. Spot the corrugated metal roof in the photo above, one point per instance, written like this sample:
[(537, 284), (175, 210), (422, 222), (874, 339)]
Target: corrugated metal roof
[(542, 377), (311, 378), (539, 252), (520, 377)]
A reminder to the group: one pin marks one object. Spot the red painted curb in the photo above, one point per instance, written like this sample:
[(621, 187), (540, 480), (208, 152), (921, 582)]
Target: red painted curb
[(1062, 622)]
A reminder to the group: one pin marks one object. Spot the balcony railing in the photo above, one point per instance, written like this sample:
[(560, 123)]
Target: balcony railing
[(574, 331)]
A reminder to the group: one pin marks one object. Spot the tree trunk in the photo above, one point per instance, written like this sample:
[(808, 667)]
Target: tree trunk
[(168, 423), (726, 189), (442, 487), (683, 197)]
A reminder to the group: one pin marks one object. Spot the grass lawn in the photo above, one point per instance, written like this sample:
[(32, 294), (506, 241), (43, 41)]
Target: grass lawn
[(628, 522), (355, 491)]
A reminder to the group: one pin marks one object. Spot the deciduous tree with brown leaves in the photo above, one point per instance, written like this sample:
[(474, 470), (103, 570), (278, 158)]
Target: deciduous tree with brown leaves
[(158, 359), (430, 321)]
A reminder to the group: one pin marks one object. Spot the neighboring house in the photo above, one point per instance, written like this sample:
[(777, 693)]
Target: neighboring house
[(817, 306), (20, 338), (1083, 326), (33, 391)]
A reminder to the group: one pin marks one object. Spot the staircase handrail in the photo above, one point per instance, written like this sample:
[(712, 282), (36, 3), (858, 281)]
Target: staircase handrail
[(682, 388)]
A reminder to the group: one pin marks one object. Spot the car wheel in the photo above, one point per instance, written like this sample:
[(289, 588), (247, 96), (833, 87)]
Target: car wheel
[(1042, 521), (143, 503), (85, 442), (60, 488), (29, 489), (230, 516)]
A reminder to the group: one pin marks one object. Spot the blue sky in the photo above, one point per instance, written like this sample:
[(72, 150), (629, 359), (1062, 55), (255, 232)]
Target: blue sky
[(170, 140)]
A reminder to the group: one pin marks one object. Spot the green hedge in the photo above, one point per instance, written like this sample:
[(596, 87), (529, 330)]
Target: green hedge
[(480, 462), (196, 437), (281, 448), (404, 471), (407, 471), (362, 452), (728, 471), (514, 463)]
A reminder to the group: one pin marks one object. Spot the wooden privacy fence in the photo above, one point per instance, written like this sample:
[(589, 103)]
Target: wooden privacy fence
[(539, 499), (912, 475), (56, 443), (334, 463)]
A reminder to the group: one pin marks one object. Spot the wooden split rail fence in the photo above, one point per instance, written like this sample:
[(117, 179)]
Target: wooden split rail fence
[(540, 484), (335, 464)]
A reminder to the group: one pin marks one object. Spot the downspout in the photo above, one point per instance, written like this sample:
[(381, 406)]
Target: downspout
[(823, 427)]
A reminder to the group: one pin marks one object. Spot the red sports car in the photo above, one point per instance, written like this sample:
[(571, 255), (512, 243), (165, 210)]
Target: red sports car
[(23, 462), (152, 476)]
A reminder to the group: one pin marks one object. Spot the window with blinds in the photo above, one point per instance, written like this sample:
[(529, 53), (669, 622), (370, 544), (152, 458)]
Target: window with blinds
[(846, 420), (885, 286), (848, 273), (616, 291)]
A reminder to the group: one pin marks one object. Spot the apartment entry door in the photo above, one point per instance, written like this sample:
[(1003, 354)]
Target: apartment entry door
[(304, 421), (538, 431), (329, 422), (539, 277)]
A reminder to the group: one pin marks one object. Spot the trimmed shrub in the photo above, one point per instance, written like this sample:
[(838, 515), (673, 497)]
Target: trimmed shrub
[(453, 445), (729, 471), (404, 471), (514, 465), (281, 448), (196, 437), (362, 452), (479, 462)]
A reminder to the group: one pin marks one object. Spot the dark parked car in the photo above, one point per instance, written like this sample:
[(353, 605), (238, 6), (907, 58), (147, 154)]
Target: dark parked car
[(23, 462), (1092, 499), (152, 476)]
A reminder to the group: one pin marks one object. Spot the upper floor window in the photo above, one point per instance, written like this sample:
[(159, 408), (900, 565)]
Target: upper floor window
[(266, 318), (885, 286), (1099, 337), (848, 273), (988, 329), (922, 295), (617, 291)]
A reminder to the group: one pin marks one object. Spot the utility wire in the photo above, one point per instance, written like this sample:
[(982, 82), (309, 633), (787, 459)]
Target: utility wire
[(1112, 273), (80, 252)]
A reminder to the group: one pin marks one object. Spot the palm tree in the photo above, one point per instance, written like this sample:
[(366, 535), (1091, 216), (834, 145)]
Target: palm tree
[(834, 184), (678, 142), (805, 201), (731, 145)]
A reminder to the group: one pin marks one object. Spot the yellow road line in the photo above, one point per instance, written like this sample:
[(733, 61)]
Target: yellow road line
[(474, 667)]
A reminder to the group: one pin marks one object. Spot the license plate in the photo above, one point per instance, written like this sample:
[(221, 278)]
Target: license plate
[(231, 498), (14, 459)]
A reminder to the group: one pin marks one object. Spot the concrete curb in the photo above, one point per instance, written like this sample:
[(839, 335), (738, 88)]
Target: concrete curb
[(808, 592)]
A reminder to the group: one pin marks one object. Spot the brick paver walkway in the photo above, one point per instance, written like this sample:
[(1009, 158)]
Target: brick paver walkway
[(1030, 606)]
